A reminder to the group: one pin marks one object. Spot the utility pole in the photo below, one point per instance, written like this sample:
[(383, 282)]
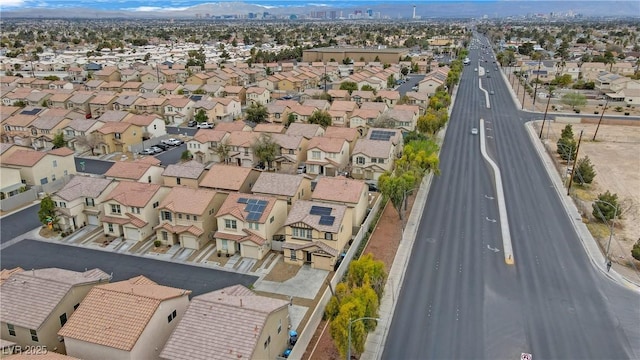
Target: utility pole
[(599, 121), (575, 162), (524, 92), (535, 90), (545, 115)]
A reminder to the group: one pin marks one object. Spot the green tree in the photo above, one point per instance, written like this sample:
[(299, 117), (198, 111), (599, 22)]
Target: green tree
[(89, 141), (340, 325), (320, 117), (290, 119), (257, 113), (563, 80), (20, 103), (404, 71), (367, 268), (605, 208), (395, 188), (223, 150), (58, 141), (367, 87), (47, 212), (391, 81), (635, 250), (585, 172), (186, 155), (404, 99), (347, 61), (574, 99), (201, 116), (51, 78), (567, 148), (567, 132), (265, 149), (350, 86)]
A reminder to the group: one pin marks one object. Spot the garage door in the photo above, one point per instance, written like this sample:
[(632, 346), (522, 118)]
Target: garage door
[(131, 234), (93, 220)]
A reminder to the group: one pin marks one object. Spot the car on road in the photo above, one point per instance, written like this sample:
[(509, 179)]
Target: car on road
[(204, 125), (156, 149), (474, 131), (191, 123), (287, 97), (491, 92), (164, 147), (475, 69), (147, 151), (172, 142)]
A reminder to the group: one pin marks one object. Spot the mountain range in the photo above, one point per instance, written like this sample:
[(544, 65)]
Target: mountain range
[(391, 9)]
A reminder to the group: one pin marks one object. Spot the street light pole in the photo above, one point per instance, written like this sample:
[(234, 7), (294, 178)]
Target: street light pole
[(524, 92), (351, 322), (611, 226), (573, 170), (599, 121)]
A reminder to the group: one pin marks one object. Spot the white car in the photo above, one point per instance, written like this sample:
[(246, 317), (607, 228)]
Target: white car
[(474, 131), (172, 142), (204, 125)]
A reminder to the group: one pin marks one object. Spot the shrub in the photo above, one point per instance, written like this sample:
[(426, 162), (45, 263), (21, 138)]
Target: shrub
[(619, 108), (157, 243), (596, 112), (626, 113), (635, 251)]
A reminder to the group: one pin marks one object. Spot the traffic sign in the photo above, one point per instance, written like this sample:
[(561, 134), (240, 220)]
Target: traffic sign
[(525, 356)]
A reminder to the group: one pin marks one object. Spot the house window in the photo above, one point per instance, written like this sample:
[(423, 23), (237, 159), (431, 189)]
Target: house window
[(246, 151), (279, 325), (301, 233), (254, 226), (272, 219), (195, 218), (115, 209), (34, 335), (267, 342), (315, 154), (179, 216), (135, 210), (117, 136), (360, 160), (178, 181), (110, 227), (230, 224), (149, 179), (166, 215), (293, 255), (63, 319), (172, 316), (12, 329), (53, 177), (165, 236), (44, 181), (292, 151), (328, 236), (55, 163), (156, 204), (63, 204), (188, 217), (66, 172)]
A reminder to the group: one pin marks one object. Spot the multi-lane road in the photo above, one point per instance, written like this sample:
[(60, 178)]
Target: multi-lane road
[(459, 299)]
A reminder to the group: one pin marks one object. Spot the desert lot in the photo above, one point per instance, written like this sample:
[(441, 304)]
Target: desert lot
[(615, 156)]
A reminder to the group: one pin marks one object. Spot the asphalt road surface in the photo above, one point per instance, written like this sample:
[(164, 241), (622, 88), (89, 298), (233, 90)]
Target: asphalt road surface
[(18, 223), (92, 166), (460, 300), (412, 80), (181, 130), (33, 254)]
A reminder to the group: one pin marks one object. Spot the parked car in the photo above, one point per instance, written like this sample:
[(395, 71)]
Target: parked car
[(161, 146), (191, 123), (147, 151), (156, 149), (172, 142), (204, 125), (302, 168)]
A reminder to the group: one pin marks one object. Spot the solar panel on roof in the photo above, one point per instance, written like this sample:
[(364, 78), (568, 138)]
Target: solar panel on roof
[(381, 135), (253, 201), (30, 112), (263, 202), (253, 216), (242, 201), (259, 208), (320, 210), (327, 220)]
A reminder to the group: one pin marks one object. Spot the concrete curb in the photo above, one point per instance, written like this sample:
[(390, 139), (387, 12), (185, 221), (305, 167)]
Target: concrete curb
[(588, 242)]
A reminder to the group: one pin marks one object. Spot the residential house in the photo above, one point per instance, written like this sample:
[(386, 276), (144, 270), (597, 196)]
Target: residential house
[(339, 118), (258, 95), (152, 125), (131, 86), (231, 110), (118, 137), (59, 100), (238, 125), (46, 126), (360, 97), (15, 128), (93, 85), (293, 152), (80, 102), (207, 145), (316, 233), (371, 158), (339, 94), (151, 105), (187, 216), (591, 70), (229, 178), (10, 182), (269, 128), (129, 319), (248, 223), (327, 156), (76, 74), (278, 113), (432, 82), (170, 88), (363, 118), (384, 134), (186, 174), (37, 303), (79, 202), (287, 187), (197, 79), (114, 115), (389, 97), (178, 110), (341, 190), (101, 103), (307, 130), (38, 98), (40, 167), (108, 73), (139, 171), (247, 326), (301, 113), (78, 128), (125, 102), (241, 146), (238, 92), (129, 75), (111, 86), (403, 119), (319, 104), (130, 210), (349, 134)]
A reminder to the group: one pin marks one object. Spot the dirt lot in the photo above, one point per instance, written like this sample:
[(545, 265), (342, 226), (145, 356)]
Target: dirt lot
[(615, 156)]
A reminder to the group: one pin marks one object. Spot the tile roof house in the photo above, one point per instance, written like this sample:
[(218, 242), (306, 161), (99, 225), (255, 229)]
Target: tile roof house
[(40, 167), (327, 156), (293, 152), (306, 130), (78, 128), (230, 178), (139, 171), (384, 134), (258, 95), (316, 233), (241, 146), (341, 190), (118, 137), (287, 187), (187, 217), (79, 202), (247, 224), (186, 174), (178, 110), (130, 210), (206, 146), (230, 323), (129, 319), (349, 134), (371, 158), (37, 303), (152, 125)]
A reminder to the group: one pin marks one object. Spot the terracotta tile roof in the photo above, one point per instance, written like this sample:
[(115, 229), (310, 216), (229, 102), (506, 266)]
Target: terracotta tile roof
[(226, 177), (63, 151), (373, 148), (221, 325), (303, 110), (116, 314), (131, 193), (29, 297), (20, 120), (317, 103), (187, 201), (102, 100), (142, 120), (133, 170), (24, 158), (380, 107), (318, 244), (81, 124), (83, 186), (111, 127), (242, 138), (114, 115), (256, 90), (326, 144), (287, 141), (300, 213), (277, 184), (306, 130), (411, 108), (231, 126), (269, 128), (188, 170), (338, 189), (148, 160), (179, 229), (233, 207), (6, 273), (348, 134)]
